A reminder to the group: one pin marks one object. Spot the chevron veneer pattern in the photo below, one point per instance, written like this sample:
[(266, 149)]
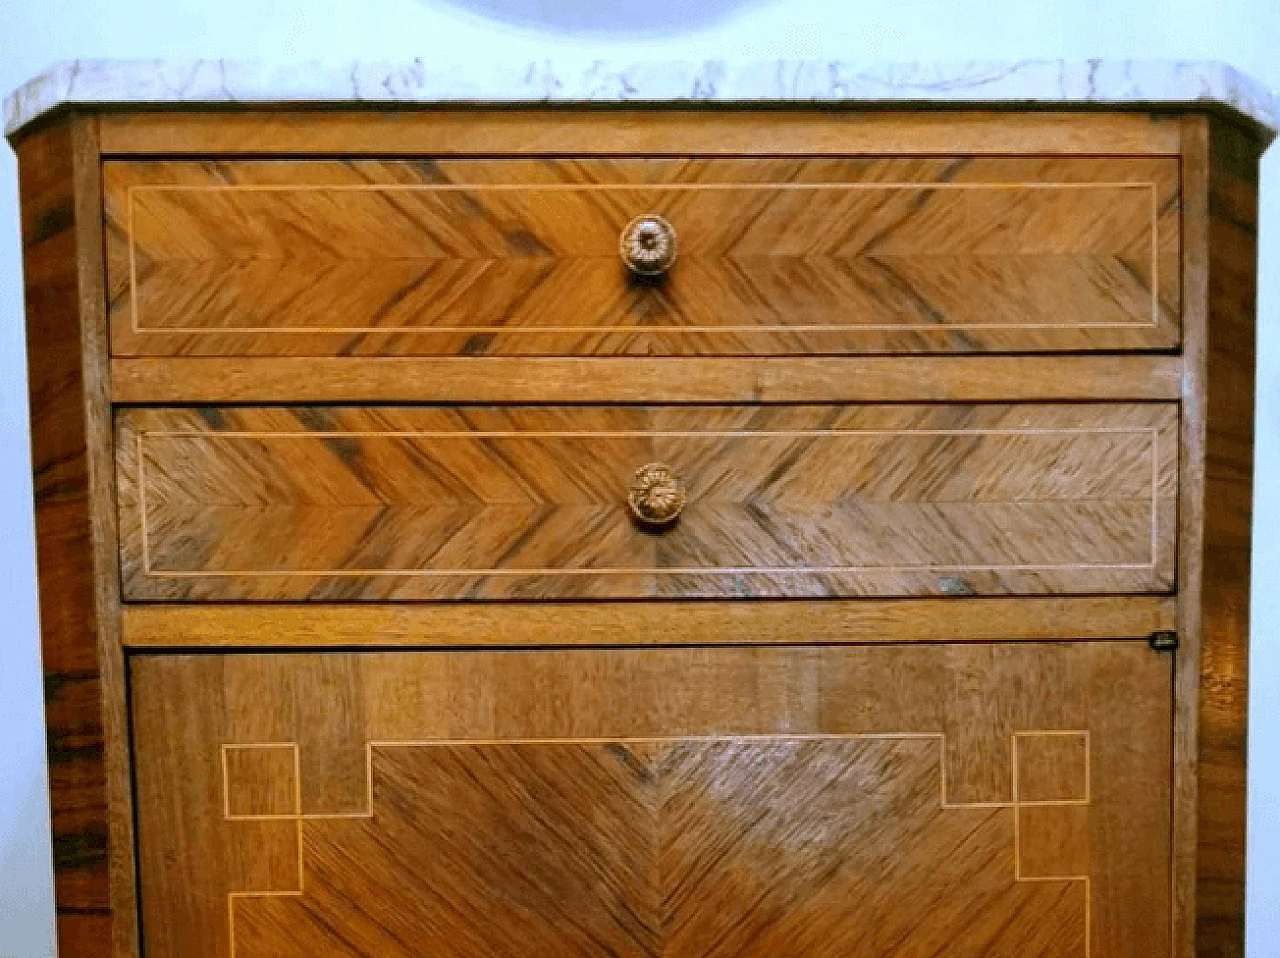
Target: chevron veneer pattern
[(511, 256), (530, 502), (773, 846), (886, 801)]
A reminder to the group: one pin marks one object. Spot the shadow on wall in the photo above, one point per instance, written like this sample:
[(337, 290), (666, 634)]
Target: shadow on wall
[(620, 18)]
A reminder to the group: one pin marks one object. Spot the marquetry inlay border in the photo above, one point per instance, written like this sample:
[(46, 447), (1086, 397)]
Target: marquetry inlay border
[(1016, 804), (505, 329), (148, 569)]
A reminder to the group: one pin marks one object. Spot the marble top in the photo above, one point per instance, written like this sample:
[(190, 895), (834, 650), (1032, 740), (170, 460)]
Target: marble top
[(1049, 82)]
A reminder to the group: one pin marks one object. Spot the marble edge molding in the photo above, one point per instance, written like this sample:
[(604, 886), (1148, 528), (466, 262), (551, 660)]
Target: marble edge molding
[(1027, 82)]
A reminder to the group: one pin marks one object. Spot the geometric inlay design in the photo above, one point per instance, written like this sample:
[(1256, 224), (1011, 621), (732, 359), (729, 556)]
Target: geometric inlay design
[(769, 846), (1052, 767), (260, 781)]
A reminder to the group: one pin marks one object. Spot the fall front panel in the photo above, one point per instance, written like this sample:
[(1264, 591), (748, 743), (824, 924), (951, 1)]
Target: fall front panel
[(977, 801)]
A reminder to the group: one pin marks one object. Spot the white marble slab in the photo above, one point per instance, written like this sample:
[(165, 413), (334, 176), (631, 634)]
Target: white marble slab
[(1054, 82)]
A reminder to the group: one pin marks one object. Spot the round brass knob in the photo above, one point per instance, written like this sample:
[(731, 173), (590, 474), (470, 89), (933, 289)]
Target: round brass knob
[(657, 495), (648, 245)]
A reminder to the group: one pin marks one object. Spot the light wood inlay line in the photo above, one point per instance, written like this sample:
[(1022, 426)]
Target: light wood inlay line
[(506, 328), (297, 797), (655, 570), (150, 570), (861, 736), (226, 782), (642, 433), (1015, 804), (1019, 804), (143, 525), (515, 256), (639, 187)]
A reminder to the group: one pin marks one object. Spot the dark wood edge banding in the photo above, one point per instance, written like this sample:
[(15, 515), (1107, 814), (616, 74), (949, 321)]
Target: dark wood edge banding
[(1195, 240), (76, 544), (1220, 179)]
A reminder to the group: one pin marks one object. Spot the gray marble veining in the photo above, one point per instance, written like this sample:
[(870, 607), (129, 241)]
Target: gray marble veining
[(1119, 82)]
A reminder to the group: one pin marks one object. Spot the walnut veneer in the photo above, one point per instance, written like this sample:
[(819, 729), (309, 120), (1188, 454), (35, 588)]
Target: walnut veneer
[(354, 646), (346, 504), (776, 256)]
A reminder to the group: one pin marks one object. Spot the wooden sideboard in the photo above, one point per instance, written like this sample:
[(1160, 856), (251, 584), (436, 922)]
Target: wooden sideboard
[(367, 633)]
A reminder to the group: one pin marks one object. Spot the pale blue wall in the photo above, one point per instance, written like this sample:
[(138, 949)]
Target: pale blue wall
[(35, 34)]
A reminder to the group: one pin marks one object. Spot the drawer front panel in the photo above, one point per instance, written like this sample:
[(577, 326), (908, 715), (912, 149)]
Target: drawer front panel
[(991, 801), (791, 256), (366, 504)]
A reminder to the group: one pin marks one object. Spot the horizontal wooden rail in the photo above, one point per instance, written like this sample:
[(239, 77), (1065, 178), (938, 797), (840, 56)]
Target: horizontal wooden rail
[(823, 379), (646, 623)]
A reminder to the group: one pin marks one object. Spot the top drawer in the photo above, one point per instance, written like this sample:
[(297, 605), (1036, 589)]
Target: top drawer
[(809, 255)]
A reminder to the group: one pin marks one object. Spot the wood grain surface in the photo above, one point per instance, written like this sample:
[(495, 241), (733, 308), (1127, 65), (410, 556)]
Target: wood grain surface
[(661, 622), (1221, 172), (178, 380), (995, 800), (561, 131), (89, 784), (519, 256), (361, 504)]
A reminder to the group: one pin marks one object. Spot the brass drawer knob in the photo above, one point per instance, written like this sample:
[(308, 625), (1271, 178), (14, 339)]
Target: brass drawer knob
[(657, 495), (648, 245)]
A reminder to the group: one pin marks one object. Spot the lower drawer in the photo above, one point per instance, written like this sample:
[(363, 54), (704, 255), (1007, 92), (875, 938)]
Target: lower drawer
[(976, 801), (381, 503)]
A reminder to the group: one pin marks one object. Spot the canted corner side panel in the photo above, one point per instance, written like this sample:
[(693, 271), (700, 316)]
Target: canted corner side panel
[(73, 479), (1221, 170), (378, 503), (827, 820), (809, 255)]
